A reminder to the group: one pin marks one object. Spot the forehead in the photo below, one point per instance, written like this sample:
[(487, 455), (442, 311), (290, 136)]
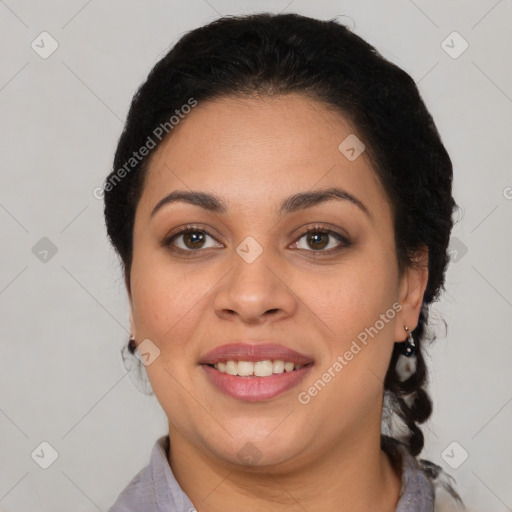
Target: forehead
[(255, 151)]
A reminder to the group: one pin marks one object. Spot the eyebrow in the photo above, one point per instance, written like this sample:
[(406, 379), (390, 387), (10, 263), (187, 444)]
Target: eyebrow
[(291, 204)]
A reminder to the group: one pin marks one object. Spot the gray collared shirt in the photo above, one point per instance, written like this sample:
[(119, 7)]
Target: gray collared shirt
[(154, 488)]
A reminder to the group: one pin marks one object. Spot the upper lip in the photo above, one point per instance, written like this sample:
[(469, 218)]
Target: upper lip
[(261, 351)]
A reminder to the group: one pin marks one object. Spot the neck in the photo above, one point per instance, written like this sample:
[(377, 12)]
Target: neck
[(354, 476)]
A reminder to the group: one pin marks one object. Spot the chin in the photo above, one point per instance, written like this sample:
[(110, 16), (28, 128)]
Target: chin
[(261, 452)]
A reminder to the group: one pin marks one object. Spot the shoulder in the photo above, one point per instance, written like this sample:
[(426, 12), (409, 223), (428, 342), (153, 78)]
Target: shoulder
[(139, 493), (154, 488), (426, 487), (446, 498)]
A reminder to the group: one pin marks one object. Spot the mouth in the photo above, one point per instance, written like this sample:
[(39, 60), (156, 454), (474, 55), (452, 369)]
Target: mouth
[(255, 372)]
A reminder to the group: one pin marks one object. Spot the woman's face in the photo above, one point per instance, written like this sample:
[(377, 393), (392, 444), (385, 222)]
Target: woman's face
[(246, 284)]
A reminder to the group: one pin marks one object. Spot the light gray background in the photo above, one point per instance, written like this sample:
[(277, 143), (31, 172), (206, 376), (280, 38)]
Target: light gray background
[(64, 320)]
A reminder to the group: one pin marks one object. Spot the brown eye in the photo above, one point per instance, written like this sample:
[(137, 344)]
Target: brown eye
[(190, 239), (321, 240), (317, 240), (193, 239)]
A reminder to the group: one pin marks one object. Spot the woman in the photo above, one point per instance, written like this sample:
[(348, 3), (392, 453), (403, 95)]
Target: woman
[(281, 204)]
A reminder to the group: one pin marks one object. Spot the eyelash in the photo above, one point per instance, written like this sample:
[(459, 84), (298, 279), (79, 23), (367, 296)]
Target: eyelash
[(344, 242)]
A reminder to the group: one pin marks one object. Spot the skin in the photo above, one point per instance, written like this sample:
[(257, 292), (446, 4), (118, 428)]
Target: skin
[(253, 153)]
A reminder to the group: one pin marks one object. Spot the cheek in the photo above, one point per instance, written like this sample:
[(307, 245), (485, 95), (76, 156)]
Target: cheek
[(167, 305), (351, 373), (166, 298), (358, 310), (353, 298)]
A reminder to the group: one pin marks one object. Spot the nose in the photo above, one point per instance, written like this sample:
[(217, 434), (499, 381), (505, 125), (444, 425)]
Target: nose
[(255, 293)]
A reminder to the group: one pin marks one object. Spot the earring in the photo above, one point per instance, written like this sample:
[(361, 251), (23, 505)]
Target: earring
[(409, 347), (131, 344), (406, 362)]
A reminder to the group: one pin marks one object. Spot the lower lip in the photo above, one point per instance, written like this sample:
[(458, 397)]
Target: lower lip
[(255, 389)]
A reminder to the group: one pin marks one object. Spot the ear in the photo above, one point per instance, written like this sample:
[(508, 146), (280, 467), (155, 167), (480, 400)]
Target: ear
[(411, 291)]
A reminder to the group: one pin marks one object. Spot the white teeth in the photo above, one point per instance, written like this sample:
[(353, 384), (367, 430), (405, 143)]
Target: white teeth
[(258, 369), (278, 366), (245, 368), (263, 368), (231, 367), (288, 367)]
